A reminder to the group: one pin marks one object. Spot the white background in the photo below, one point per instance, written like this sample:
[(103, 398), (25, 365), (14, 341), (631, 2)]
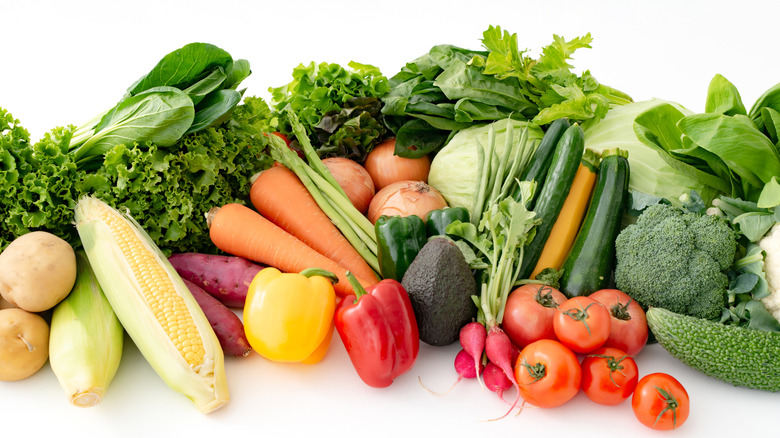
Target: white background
[(63, 62)]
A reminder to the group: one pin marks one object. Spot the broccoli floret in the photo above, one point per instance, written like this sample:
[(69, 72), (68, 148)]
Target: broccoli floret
[(677, 260)]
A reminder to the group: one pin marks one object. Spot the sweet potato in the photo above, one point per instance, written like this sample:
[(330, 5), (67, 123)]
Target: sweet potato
[(226, 278), (226, 324)]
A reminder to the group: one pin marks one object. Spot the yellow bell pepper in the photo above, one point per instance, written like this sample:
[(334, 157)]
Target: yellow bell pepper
[(288, 317)]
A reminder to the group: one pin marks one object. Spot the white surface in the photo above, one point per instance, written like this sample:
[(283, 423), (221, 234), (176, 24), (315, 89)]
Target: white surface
[(64, 62)]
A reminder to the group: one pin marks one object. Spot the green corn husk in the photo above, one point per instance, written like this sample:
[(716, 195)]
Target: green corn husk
[(86, 339)]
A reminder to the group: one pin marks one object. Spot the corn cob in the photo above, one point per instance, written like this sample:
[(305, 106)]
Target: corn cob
[(153, 304), (85, 340)]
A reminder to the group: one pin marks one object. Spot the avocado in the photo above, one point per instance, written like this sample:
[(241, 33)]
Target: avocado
[(440, 285)]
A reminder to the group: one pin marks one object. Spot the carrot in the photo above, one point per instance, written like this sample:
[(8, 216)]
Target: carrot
[(281, 197), (565, 229), (241, 231)]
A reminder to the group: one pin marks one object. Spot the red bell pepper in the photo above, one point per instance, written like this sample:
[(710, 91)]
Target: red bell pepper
[(379, 331)]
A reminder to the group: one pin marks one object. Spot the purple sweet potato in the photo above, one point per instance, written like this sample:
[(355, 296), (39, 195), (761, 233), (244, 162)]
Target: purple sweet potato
[(224, 277), (226, 324)]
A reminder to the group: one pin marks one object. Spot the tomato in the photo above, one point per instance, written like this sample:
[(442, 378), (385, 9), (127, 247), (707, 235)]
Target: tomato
[(582, 324), (628, 330), (548, 373), (660, 402), (529, 312), (609, 376)]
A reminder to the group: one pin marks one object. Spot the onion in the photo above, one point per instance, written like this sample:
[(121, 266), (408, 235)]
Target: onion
[(386, 168), (405, 198), (354, 179)]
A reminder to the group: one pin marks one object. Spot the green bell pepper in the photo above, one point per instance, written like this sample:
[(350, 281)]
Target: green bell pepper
[(399, 239), (436, 221)]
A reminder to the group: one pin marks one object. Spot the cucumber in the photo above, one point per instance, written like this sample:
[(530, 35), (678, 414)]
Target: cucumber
[(540, 162), (563, 166), (737, 355), (589, 264)]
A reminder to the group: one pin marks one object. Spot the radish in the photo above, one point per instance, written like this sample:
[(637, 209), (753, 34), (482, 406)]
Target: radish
[(496, 380), (472, 339), (499, 350), (465, 367)]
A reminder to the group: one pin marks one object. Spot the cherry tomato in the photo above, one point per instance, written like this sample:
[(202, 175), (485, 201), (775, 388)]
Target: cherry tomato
[(548, 373), (609, 376), (628, 330), (529, 312), (582, 324), (660, 402)]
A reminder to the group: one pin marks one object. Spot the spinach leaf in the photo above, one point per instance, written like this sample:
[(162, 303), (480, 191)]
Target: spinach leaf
[(417, 138)]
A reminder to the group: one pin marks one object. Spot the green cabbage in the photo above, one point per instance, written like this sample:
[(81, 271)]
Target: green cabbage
[(641, 132), (455, 171)]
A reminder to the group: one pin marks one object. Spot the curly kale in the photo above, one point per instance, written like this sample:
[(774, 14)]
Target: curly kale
[(676, 259)]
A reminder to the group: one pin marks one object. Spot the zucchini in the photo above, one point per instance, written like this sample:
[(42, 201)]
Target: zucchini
[(540, 162), (737, 355), (589, 264), (571, 216), (557, 182)]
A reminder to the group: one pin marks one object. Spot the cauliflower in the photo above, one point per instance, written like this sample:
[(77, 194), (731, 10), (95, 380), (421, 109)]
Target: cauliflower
[(677, 260), (770, 243)]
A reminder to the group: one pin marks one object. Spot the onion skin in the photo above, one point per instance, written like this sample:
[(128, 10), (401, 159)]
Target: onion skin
[(405, 198), (386, 168), (354, 179)]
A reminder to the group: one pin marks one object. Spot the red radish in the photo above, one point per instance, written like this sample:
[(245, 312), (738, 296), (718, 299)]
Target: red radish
[(472, 339), (226, 278), (496, 380), (499, 350), (226, 324), (465, 367)]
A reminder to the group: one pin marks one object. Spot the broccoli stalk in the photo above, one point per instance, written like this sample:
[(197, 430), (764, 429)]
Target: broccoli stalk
[(678, 260)]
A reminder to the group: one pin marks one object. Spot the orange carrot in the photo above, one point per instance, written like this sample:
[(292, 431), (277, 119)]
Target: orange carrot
[(281, 197), (241, 231)]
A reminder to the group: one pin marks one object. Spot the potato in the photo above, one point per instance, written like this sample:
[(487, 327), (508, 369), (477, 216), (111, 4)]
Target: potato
[(37, 270), (24, 344)]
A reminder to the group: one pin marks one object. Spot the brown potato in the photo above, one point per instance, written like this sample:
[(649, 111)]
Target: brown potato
[(24, 344), (37, 270)]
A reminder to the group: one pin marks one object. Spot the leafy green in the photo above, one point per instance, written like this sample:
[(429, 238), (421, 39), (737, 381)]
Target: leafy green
[(339, 107), (450, 88), (188, 90), (167, 190)]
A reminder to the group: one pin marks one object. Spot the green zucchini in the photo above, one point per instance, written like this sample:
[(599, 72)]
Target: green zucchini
[(540, 162), (737, 355), (589, 264), (557, 182)]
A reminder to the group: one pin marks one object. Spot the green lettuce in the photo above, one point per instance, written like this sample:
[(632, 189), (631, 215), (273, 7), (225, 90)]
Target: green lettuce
[(167, 190)]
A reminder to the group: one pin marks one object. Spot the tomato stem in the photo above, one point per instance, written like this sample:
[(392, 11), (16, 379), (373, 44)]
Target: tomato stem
[(671, 404)]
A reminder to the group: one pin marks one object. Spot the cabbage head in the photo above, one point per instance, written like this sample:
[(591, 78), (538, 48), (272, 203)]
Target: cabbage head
[(648, 131), (454, 169)]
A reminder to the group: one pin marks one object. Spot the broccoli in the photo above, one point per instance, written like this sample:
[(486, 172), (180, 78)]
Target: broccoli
[(677, 260)]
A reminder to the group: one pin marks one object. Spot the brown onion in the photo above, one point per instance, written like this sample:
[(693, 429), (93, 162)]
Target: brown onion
[(354, 179), (405, 198), (386, 168)]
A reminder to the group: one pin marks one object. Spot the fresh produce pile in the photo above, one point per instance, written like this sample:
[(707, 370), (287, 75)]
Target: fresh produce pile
[(544, 221)]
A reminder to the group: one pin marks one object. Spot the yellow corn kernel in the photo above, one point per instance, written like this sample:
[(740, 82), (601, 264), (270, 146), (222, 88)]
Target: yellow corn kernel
[(153, 304), (85, 340)]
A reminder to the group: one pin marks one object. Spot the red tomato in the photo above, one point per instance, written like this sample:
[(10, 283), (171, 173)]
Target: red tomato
[(609, 376), (529, 312), (548, 373), (582, 324), (628, 330), (660, 402)]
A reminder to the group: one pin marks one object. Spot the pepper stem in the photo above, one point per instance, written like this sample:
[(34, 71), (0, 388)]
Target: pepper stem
[(311, 272), (356, 286)]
